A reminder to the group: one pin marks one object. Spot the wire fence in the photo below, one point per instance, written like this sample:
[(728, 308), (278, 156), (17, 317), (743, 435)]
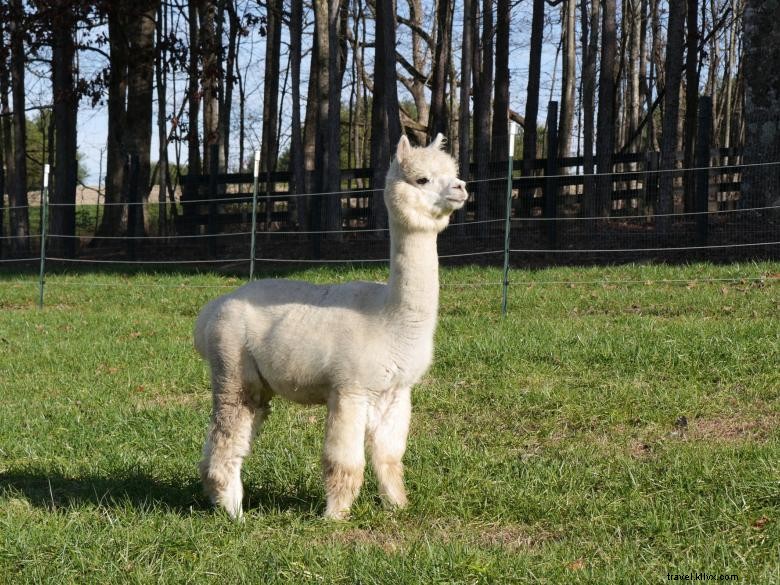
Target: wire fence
[(521, 217)]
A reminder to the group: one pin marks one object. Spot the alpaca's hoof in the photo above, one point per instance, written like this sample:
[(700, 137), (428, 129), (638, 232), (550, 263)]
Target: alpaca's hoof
[(337, 515), (230, 499), (398, 503)]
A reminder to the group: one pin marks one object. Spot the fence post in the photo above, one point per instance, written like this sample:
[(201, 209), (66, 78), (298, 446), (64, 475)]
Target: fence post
[(703, 145), (44, 224), (132, 199), (550, 182), (508, 218), (213, 172), (254, 215)]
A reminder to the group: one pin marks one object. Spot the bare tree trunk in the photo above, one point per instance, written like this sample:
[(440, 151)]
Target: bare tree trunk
[(296, 143), (731, 56), (230, 79), (590, 23), (161, 76), (140, 75), (532, 98), (327, 164), (269, 148), (194, 163), (417, 80), (116, 149), (63, 218), (439, 119), (711, 88), (337, 64), (385, 118), (310, 121), (500, 137), (634, 18), (358, 72), (465, 90), (762, 103), (656, 72), (5, 121), (691, 101), (210, 76), (17, 187), (674, 63), (568, 79), (605, 140), (482, 111), (644, 89)]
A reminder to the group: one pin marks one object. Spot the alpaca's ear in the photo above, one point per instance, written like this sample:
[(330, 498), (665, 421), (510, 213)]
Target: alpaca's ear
[(404, 149), (438, 142)]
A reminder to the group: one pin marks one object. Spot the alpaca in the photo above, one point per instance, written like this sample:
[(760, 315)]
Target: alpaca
[(357, 347)]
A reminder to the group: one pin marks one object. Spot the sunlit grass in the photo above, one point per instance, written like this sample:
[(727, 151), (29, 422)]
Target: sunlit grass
[(620, 424)]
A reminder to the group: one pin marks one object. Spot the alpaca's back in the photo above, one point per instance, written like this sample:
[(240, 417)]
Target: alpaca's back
[(294, 332)]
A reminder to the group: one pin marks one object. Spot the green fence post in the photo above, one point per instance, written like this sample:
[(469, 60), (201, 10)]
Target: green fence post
[(254, 215), (508, 219), (44, 222)]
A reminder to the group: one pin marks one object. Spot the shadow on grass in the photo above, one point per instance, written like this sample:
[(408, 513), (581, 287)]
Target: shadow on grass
[(52, 490)]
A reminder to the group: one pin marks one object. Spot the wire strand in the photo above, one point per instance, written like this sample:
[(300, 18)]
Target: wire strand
[(735, 168), (644, 216), (660, 249), (34, 259)]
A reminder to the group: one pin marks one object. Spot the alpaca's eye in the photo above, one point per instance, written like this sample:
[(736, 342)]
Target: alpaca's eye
[(422, 181)]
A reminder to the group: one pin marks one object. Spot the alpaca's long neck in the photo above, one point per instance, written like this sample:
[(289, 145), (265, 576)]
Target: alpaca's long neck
[(414, 276)]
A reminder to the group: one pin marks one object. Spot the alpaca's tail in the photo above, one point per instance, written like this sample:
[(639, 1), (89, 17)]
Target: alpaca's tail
[(201, 332)]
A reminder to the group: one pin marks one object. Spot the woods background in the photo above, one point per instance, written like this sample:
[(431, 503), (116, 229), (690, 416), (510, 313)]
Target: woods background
[(191, 88)]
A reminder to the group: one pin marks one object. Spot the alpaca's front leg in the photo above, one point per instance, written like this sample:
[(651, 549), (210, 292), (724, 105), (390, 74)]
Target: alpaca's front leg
[(343, 457), (387, 433)]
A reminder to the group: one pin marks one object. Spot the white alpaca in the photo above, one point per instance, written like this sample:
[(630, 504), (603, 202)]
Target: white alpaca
[(357, 347)]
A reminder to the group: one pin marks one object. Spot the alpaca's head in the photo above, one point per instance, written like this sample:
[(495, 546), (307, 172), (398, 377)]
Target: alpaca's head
[(422, 187)]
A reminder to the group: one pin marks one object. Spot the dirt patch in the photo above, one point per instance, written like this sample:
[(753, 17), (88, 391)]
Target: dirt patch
[(144, 400), (729, 429), (511, 537), (514, 537), (389, 542), (640, 449)]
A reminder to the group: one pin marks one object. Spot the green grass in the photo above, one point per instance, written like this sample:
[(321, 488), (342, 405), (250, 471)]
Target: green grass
[(544, 447)]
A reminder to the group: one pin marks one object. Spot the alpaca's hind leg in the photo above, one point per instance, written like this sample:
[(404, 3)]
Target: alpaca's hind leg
[(236, 417), (343, 458), (387, 438)]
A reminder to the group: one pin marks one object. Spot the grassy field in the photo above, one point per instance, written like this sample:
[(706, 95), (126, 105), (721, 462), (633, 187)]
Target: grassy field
[(620, 426)]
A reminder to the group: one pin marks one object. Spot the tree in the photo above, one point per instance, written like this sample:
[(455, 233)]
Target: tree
[(131, 31), (674, 64), (568, 80), (17, 170), (762, 102), (63, 217), (269, 146), (605, 138), (691, 99), (439, 119), (483, 85), (385, 116), (296, 143), (193, 92), (532, 95), (211, 77), (590, 22), (465, 89), (327, 171)]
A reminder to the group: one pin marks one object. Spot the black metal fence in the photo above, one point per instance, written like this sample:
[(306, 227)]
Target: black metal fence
[(559, 214)]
